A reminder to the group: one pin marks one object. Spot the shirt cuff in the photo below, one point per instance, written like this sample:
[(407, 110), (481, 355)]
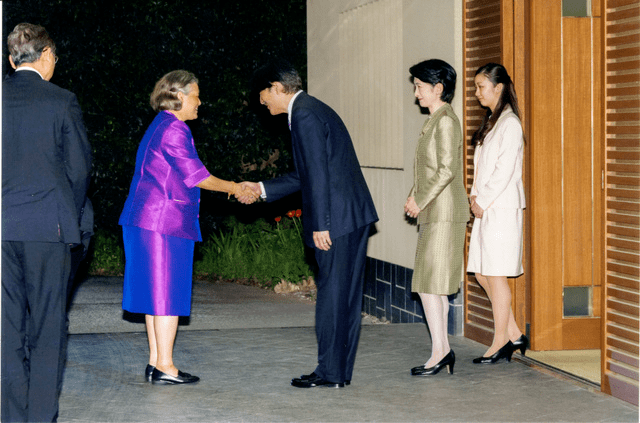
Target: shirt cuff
[(264, 193)]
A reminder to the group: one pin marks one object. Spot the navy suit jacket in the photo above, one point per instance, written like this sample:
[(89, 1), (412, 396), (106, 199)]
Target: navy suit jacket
[(46, 161), (335, 196)]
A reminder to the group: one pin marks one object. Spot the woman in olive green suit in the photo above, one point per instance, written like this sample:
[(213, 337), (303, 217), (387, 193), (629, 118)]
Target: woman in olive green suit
[(439, 201)]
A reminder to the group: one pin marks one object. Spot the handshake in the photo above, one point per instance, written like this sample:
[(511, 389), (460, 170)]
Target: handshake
[(247, 192)]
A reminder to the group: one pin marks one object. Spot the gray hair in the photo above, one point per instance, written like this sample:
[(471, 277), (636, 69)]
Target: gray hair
[(165, 93), (26, 43)]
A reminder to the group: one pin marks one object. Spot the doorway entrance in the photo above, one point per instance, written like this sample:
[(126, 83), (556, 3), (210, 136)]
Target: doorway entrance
[(554, 55)]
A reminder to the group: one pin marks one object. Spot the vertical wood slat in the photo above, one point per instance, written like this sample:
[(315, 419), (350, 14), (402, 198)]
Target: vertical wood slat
[(371, 74), (545, 179), (621, 28), (598, 160), (577, 152), (480, 24)]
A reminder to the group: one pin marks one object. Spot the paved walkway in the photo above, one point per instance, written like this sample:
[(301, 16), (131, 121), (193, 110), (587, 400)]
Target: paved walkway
[(246, 344)]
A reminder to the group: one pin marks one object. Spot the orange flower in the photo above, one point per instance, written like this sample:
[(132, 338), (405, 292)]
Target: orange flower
[(278, 218), (298, 213), (291, 213)]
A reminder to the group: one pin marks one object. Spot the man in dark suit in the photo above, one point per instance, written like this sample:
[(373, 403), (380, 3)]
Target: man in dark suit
[(46, 162), (338, 213)]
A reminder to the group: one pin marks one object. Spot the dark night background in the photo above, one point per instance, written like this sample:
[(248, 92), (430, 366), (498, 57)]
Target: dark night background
[(112, 53)]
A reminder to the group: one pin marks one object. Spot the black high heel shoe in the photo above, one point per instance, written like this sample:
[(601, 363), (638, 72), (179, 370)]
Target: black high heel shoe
[(448, 360), (505, 352), (148, 372), (521, 344)]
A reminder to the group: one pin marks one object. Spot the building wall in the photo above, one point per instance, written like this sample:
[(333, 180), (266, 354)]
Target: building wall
[(429, 29)]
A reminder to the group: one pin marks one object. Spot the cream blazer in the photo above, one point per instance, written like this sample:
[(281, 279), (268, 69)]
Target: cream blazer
[(497, 162), (438, 186)]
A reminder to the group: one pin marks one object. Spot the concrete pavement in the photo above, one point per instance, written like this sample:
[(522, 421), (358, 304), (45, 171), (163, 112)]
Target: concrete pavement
[(246, 344)]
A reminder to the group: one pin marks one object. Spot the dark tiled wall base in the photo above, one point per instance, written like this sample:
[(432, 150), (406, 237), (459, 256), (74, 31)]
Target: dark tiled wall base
[(387, 294)]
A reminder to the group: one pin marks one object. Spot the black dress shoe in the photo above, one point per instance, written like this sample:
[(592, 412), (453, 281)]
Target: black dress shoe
[(314, 375), (521, 344), (161, 378), (505, 352), (448, 360), (315, 382), (148, 372)]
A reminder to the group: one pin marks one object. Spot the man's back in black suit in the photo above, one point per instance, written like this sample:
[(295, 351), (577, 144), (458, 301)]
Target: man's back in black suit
[(46, 162)]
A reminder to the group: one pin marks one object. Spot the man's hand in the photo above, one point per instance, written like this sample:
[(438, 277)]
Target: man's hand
[(322, 240), (411, 208)]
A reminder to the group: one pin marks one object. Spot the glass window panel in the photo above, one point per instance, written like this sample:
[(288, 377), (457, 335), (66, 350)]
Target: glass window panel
[(577, 301), (576, 8)]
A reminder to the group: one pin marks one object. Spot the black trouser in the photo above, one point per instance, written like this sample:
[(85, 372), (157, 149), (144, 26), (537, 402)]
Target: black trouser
[(339, 304), (35, 278)]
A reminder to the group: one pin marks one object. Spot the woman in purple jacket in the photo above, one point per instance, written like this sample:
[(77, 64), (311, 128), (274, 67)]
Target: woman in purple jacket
[(160, 221)]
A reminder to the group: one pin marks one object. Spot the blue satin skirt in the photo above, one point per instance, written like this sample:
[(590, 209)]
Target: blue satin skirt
[(158, 273)]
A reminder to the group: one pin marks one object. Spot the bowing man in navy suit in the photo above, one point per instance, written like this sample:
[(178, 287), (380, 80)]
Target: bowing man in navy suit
[(338, 213), (46, 164)]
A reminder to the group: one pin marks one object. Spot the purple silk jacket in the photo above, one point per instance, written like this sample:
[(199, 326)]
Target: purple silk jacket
[(163, 196)]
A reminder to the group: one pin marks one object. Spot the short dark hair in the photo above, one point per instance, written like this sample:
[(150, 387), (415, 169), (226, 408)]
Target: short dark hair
[(436, 71), (276, 71), (165, 93), (27, 41)]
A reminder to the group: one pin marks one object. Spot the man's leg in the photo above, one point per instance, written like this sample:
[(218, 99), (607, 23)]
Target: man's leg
[(15, 369), (339, 304), (46, 267), (358, 241)]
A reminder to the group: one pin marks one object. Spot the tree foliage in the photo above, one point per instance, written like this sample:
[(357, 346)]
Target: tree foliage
[(112, 53)]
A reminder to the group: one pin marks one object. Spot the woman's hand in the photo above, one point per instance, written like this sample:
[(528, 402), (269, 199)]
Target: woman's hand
[(476, 209), (245, 192), (411, 208)]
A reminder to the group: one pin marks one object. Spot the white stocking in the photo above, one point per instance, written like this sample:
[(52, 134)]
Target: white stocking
[(436, 310)]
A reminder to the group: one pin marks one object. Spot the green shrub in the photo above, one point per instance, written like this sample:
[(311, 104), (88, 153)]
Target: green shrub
[(108, 255), (261, 251)]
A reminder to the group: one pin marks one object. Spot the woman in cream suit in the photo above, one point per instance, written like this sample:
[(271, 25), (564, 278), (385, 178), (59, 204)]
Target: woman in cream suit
[(439, 200), (497, 201)]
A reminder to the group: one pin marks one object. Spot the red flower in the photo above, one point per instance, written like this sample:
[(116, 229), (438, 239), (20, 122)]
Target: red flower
[(298, 213), (278, 218), (291, 213)]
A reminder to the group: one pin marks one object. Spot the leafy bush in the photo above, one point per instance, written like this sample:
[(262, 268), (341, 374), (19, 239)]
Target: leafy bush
[(262, 251), (108, 255)]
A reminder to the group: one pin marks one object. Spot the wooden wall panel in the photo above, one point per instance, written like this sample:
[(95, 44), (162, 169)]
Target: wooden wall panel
[(621, 27), (482, 44), (545, 201), (598, 159)]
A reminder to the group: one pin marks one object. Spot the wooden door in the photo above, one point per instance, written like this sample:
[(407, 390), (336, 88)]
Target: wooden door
[(556, 64), (566, 178)]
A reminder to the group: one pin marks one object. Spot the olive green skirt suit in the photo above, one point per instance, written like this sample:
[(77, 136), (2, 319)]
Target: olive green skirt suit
[(438, 190)]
